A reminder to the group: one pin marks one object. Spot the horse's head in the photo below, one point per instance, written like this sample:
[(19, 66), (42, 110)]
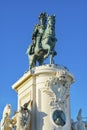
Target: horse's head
[(51, 20), (50, 26)]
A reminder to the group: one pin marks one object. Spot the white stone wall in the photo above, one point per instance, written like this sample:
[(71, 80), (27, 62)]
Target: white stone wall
[(52, 84), (48, 86)]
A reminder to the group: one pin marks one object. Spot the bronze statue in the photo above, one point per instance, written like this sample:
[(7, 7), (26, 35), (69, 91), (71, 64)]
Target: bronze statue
[(39, 30), (43, 41), (38, 33)]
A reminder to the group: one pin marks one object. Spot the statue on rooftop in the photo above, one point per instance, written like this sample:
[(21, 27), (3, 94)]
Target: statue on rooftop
[(6, 122), (79, 116), (43, 41), (79, 124)]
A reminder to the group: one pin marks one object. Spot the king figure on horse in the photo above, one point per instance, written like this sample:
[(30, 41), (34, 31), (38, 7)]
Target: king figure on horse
[(43, 40)]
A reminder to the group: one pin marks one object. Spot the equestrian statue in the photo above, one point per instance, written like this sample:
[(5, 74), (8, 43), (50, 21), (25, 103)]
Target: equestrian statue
[(43, 41)]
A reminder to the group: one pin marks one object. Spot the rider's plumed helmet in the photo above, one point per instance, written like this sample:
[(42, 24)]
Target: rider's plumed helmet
[(43, 15)]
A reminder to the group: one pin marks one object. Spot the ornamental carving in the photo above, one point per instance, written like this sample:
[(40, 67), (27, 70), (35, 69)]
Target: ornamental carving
[(57, 87)]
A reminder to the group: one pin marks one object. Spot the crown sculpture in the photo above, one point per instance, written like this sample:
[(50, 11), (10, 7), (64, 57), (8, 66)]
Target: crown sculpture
[(44, 90)]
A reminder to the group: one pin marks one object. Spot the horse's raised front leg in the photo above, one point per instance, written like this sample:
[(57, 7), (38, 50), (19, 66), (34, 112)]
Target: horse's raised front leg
[(48, 52), (46, 56)]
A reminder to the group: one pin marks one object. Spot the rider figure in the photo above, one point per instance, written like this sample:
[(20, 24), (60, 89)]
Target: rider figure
[(38, 32)]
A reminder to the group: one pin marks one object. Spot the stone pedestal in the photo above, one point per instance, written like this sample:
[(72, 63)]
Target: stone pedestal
[(48, 86)]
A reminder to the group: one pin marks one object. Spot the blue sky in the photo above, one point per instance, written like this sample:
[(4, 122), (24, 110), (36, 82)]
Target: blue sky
[(17, 20)]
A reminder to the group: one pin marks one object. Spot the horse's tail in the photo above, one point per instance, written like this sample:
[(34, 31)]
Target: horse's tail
[(27, 51)]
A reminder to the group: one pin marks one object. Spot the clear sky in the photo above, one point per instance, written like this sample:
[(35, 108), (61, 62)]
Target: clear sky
[(17, 20)]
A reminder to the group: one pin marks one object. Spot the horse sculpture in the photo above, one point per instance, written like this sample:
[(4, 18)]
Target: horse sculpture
[(47, 45)]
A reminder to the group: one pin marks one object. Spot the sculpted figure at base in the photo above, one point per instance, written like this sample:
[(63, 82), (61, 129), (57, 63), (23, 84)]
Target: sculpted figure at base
[(21, 119), (43, 41), (79, 125), (6, 122)]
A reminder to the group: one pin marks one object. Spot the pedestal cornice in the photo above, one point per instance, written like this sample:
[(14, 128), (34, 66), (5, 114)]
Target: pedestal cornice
[(44, 69)]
